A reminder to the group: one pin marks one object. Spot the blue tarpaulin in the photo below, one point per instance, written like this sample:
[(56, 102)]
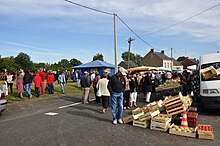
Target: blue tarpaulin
[(96, 65)]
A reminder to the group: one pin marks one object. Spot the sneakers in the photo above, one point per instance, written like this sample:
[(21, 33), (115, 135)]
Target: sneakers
[(120, 121), (114, 122)]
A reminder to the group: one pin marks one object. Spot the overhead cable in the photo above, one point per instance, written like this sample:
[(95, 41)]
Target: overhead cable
[(181, 20), (104, 12), (134, 32)]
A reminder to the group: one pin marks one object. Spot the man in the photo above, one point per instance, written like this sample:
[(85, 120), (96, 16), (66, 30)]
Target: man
[(37, 81), (94, 83), (62, 81), (116, 87), (85, 84)]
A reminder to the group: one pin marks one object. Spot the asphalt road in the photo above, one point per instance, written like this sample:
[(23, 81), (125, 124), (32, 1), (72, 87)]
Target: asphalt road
[(76, 124)]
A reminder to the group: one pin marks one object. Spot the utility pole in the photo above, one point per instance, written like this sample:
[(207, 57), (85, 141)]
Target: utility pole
[(171, 58), (115, 45), (129, 49)]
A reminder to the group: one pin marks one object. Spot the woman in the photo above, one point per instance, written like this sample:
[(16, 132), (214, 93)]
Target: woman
[(20, 86), (104, 92), (127, 92), (133, 90), (10, 81)]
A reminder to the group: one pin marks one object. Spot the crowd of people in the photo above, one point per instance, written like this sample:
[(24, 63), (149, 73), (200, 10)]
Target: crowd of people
[(120, 91), (24, 80)]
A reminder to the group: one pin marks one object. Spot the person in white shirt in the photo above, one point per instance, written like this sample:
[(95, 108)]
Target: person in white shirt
[(102, 87)]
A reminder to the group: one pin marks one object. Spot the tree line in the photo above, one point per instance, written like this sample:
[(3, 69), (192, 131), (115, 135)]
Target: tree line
[(23, 61)]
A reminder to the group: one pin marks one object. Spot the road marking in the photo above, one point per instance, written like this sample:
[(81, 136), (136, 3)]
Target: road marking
[(50, 114), (65, 106)]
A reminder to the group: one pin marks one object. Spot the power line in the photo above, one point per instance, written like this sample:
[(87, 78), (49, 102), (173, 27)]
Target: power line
[(100, 11), (134, 32), (182, 20), (104, 12)]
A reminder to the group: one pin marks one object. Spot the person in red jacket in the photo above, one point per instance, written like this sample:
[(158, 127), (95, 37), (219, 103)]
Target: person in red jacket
[(37, 82), (42, 75), (50, 81)]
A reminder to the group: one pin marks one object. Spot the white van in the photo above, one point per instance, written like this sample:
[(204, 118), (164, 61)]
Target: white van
[(210, 85)]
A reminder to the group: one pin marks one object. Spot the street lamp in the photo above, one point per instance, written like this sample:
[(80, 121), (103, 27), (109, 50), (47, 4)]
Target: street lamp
[(129, 48)]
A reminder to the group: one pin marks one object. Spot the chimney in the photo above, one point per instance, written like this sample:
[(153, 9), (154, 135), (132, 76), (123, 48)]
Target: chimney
[(162, 51), (152, 50)]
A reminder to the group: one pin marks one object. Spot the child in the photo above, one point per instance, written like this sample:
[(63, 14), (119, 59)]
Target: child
[(20, 86)]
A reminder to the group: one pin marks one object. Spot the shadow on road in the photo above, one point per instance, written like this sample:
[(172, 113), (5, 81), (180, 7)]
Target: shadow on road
[(87, 115)]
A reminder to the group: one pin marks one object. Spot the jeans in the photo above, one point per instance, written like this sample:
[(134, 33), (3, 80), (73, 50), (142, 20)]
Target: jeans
[(28, 89), (117, 100), (62, 87), (50, 88)]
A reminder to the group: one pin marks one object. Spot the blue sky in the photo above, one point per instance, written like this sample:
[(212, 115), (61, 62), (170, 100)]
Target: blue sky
[(51, 30)]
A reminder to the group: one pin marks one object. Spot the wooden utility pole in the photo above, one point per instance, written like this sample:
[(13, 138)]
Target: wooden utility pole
[(129, 49), (115, 45)]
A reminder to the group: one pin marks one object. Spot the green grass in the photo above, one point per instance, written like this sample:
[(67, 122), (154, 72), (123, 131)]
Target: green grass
[(70, 88)]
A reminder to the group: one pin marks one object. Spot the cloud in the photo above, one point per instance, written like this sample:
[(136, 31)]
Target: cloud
[(37, 50)]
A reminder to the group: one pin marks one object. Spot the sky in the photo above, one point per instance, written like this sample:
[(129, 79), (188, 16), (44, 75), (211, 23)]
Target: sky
[(51, 30)]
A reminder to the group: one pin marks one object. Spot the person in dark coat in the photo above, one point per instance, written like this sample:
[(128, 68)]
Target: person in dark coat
[(28, 82), (148, 86)]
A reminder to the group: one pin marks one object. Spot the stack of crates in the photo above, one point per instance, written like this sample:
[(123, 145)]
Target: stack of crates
[(192, 119)]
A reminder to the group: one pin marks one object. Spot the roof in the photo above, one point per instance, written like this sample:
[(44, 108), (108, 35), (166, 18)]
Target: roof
[(94, 64), (162, 56), (176, 63), (125, 64)]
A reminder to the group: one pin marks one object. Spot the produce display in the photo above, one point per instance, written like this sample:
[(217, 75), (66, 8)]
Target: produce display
[(179, 128), (170, 83), (205, 127)]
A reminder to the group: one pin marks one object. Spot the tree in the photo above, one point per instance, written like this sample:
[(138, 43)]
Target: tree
[(98, 57), (8, 64), (133, 57), (63, 63), (74, 62), (23, 61), (181, 58)]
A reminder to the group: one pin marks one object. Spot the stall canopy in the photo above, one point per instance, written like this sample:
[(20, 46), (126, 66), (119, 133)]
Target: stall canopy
[(96, 65), (164, 69), (141, 68)]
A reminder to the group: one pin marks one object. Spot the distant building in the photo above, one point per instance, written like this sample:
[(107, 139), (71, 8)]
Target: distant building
[(159, 59), (188, 62), (125, 64)]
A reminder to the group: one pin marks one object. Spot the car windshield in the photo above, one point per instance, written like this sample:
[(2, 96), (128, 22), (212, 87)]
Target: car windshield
[(210, 71)]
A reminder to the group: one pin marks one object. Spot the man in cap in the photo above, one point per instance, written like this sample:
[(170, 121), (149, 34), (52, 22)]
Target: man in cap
[(116, 87), (85, 84)]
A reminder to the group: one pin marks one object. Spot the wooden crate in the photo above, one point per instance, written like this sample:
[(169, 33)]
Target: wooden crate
[(136, 111), (146, 116), (137, 115), (203, 134), (174, 106), (128, 119), (182, 133), (161, 122), (209, 72), (142, 124)]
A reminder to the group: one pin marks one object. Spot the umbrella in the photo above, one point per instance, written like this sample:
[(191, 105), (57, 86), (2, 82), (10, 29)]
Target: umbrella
[(192, 67), (163, 69), (142, 68)]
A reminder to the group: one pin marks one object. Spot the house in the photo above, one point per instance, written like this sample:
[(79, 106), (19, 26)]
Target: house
[(159, 59), (189, 62), (125, 64)]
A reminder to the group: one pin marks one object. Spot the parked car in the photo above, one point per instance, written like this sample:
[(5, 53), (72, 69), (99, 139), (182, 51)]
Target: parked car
[(3, 103)]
